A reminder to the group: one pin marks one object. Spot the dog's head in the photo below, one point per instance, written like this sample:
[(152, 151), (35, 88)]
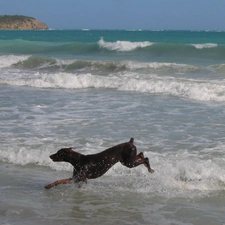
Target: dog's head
[(62, 155)]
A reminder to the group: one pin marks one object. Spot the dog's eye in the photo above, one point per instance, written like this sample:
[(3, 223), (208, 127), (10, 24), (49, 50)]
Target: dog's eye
[(61, 153)]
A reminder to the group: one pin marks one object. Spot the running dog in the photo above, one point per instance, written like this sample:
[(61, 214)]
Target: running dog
[(95, 165)]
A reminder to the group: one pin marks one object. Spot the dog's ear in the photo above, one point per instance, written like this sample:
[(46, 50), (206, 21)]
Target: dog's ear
[(132, 141)]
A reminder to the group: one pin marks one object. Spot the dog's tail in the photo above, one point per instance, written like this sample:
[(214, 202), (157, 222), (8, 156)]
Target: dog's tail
[(132, 141)]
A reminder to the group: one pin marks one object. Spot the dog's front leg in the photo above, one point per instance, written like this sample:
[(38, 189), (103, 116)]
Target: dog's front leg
[(64, 181)]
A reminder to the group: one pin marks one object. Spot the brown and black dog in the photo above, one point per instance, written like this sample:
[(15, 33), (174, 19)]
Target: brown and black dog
[(95, 165)]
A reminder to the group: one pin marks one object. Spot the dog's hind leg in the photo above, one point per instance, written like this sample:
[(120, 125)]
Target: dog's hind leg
[(138, 160), (147, 164), (64, 181)]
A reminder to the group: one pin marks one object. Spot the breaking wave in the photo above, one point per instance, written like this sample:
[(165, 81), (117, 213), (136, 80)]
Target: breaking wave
[(206, 45), (123, 46), (204, 90), (51, 64)]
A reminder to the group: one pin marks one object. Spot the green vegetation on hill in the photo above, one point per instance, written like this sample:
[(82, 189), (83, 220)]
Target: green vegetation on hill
[(15, 18), (9, 22)]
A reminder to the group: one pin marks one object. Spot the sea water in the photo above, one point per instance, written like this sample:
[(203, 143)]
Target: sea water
[(93, 89)]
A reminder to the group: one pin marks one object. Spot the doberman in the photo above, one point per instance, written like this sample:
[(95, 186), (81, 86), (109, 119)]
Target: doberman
[(95, 165)]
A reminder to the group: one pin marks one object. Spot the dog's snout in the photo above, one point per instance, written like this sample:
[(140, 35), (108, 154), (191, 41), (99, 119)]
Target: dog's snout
[(52, 157)]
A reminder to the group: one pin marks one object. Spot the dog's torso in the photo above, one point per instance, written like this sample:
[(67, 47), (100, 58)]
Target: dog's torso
[(95, 165)]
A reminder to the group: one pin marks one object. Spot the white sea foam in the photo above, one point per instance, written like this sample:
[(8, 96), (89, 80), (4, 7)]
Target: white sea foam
[(205, 45), (123, 46), (65, 80), (174, 175), (204, 90), (192, 89), (161, 66), (24, 156), (8, 60)]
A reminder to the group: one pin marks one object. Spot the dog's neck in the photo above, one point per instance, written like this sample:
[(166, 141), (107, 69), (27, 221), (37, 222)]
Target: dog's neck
[(74, 158)]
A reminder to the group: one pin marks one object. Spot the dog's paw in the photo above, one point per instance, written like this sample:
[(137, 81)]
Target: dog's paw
[(48, 186)]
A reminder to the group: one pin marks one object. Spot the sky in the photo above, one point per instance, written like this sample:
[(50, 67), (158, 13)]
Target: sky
[(122, 14)]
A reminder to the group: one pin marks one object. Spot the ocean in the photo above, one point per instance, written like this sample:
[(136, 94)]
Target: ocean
[(93, 89)]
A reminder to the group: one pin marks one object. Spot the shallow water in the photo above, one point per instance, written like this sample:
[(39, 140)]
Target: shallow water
[(107, 200), (91, 90), (186, 188)]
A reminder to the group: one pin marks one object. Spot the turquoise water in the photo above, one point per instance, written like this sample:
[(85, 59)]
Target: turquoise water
[(93, 89), (168, 46)]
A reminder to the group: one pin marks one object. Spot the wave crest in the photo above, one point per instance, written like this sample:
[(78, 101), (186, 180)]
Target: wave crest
[(123, 46), (51, 64), (8, 60), (205, 45), (203, 90)]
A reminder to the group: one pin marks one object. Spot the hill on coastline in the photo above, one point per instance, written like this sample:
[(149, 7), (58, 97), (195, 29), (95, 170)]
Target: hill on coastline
[(16, 22)]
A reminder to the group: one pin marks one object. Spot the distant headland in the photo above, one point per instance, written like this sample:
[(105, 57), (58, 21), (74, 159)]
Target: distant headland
[(16, 22)]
